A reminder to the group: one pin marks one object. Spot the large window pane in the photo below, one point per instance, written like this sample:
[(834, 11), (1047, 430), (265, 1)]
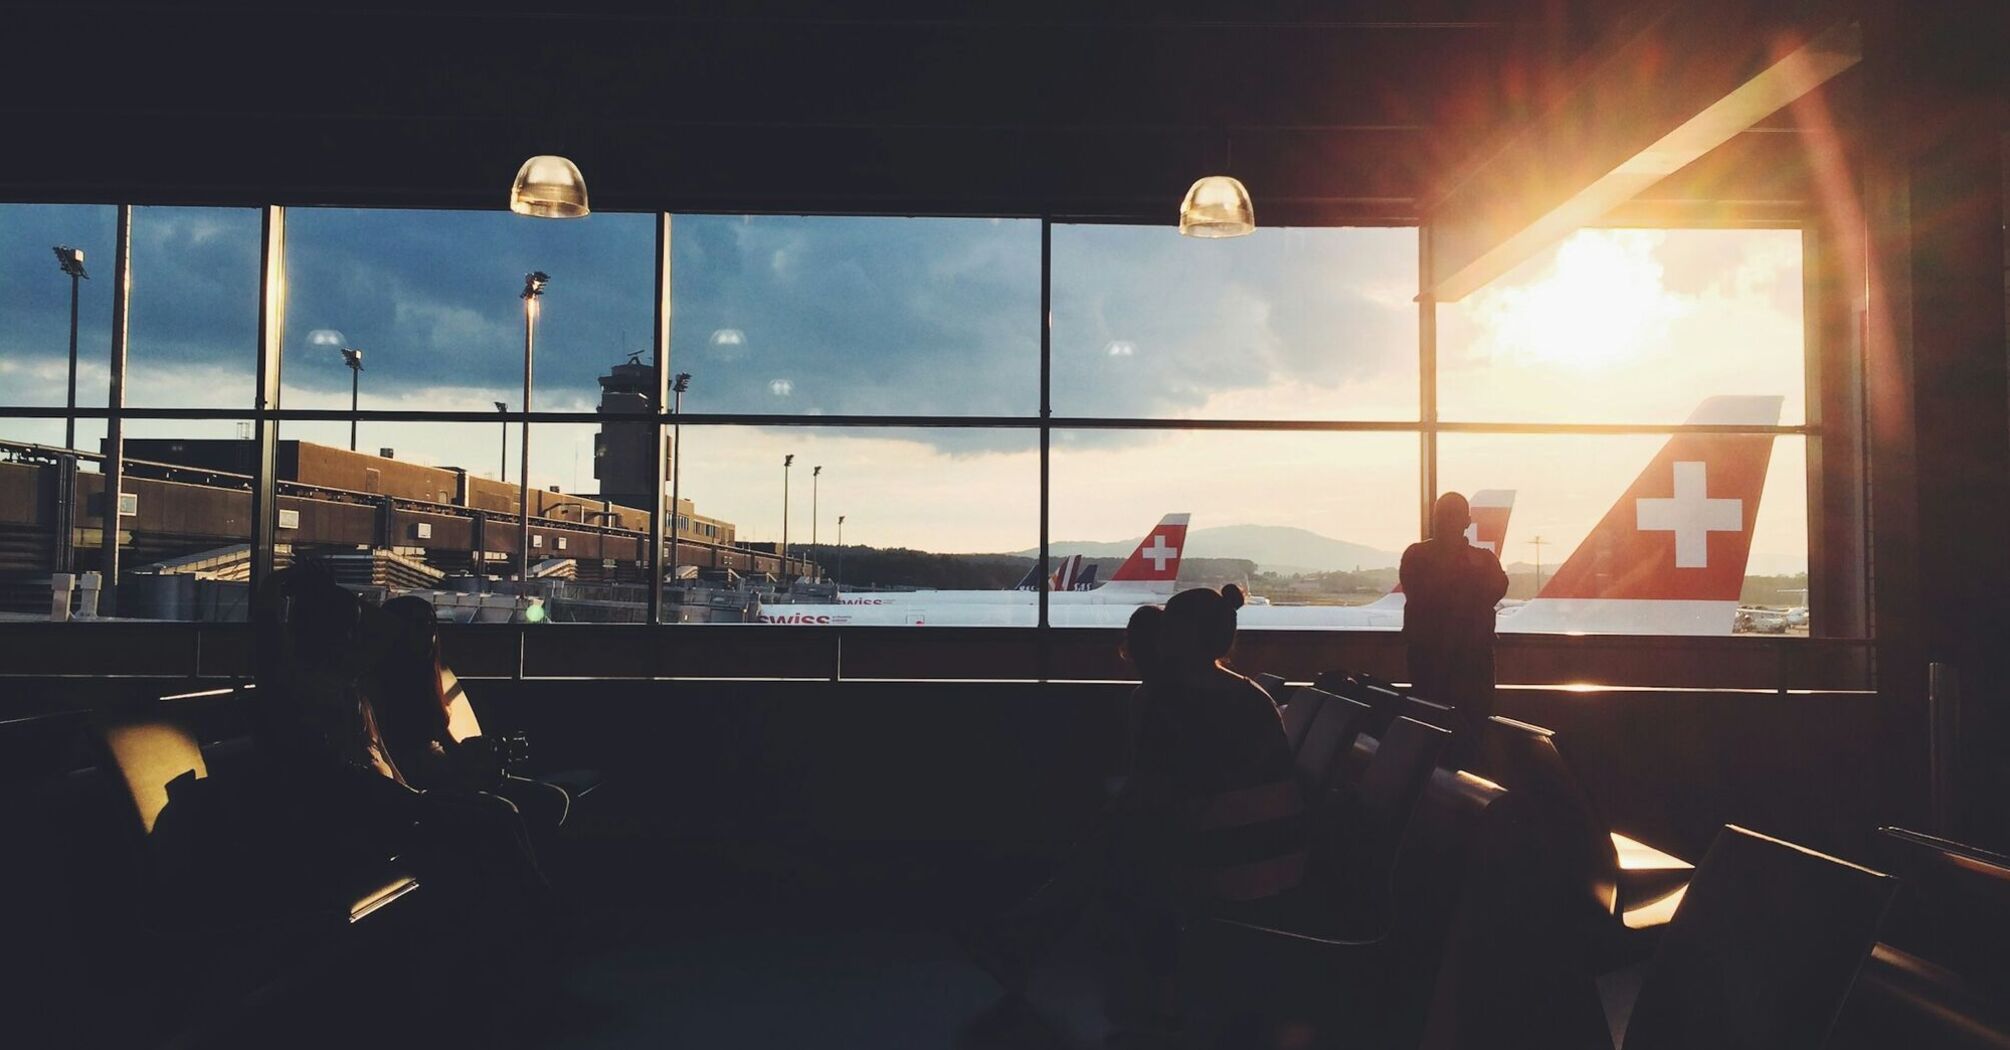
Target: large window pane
[(826, 315), (1565, 485), (939, 524), (1281, 324), (192, 338), (1307, 521), (1629, 326), (35, 303), (432, 299)]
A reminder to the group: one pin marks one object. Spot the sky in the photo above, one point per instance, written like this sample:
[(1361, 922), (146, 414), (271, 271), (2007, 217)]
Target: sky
[(841, 315)]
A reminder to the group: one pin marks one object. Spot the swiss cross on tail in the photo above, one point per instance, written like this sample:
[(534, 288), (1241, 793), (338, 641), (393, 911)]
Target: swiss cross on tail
[(1683, 530), (1155, 562)]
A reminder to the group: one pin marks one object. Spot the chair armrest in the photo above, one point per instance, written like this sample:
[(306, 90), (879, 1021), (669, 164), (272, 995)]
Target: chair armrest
[(1647, 874), (375, 899)]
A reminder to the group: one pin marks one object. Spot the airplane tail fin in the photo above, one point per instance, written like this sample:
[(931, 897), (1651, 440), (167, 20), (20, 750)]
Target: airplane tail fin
[(1154, 565), (1491, 510), (1669, 557), (1066, 574)]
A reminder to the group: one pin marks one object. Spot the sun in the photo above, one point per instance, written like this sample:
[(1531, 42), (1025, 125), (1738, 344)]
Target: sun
[(1600, 301)]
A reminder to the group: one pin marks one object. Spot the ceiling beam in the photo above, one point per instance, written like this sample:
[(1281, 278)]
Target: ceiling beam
[(1696, 76)]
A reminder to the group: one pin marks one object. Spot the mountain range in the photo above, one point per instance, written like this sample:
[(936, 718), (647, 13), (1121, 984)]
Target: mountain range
[(1274, 548)]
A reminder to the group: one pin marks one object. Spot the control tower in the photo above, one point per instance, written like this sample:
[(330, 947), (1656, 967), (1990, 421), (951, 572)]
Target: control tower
[(623, 450)]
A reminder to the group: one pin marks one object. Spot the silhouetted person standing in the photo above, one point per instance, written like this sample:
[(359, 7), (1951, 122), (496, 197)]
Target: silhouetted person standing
[(1450, 588)]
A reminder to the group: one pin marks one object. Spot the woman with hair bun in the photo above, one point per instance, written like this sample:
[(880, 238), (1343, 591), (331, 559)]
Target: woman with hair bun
[(1209, 822), (1212, 746)]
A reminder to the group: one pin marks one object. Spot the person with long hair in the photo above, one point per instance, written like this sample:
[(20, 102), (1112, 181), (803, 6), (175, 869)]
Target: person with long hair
[(415, 715)]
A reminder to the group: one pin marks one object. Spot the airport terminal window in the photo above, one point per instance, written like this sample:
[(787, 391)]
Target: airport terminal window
[(432, 299), (1629, 326), (1267, 388), (1286, 323), (35, 302), (837, 315), (1647, 328)]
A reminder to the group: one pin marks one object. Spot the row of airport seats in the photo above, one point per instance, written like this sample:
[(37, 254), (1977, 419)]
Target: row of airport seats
[(1479, 908), (126, 949)]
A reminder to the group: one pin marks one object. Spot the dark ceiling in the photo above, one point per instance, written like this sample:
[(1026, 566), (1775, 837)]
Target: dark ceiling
[(1330, 112)]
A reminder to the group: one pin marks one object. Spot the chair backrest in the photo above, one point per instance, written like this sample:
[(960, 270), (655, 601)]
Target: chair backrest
[(1514, 972), (1334, 681), (149, 755), (1388, 702), (1430, 712), (1763, 950), (461, 720), (1900, 999), (1274, 685), (38, 746), (1524, 759), (1404, 758), (1299, 715), (1954, 904), (1333, 731), (1435, 863)]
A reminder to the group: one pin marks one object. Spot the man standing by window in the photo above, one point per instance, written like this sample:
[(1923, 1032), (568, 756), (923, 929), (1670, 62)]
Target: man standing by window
[(1450, 588)]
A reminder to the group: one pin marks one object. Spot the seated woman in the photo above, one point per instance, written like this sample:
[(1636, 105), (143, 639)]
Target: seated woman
[(320, 747), (1214, 769), (415, 717), (1209, 820)]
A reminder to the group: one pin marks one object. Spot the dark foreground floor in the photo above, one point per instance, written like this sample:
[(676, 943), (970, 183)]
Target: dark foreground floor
[(733, 948)]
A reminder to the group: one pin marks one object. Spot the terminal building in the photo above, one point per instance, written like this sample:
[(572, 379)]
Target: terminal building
[(975, 294)]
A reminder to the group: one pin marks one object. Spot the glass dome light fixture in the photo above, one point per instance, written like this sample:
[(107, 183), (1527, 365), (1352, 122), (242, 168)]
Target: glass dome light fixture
[(1217, 206), (549, 187)]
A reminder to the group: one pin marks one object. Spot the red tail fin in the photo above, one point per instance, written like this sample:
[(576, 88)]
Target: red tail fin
[(1669, 557), (1157, 557)]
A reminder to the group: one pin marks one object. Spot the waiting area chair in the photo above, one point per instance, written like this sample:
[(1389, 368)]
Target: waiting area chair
[(1939, 975), (1763, 950)]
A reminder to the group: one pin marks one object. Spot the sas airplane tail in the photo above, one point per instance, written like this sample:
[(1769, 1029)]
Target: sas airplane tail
[(1669, 557), (1491, 510), (1153, 568)]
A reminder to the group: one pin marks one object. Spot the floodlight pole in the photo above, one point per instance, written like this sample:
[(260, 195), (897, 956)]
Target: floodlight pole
[(840, 575), (502, 467), (71, 260), (815, 472), (533, 290), (354, 359), (678, 384), (787, 461)]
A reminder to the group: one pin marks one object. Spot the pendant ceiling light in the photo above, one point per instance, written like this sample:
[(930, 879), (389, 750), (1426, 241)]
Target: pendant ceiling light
[(550, 188), (1217, 206)]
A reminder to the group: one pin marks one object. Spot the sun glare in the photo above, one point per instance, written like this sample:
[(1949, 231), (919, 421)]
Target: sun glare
[(1600, 302)]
